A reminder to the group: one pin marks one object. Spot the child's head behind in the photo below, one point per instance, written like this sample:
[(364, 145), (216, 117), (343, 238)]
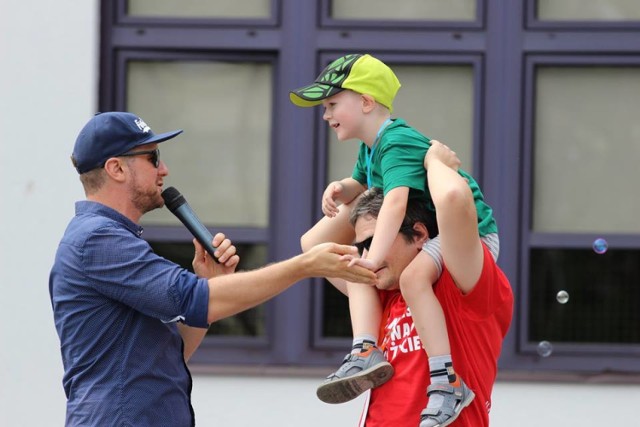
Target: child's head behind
[(360, 73)]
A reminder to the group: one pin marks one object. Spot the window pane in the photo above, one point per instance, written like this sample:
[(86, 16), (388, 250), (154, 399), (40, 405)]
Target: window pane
[(248, 323), (591, 10), (336, 320), (586, 144), (410, 10), (436, 100), (449, 118), (604, 296), (251, 322), (221, 162), (200, 9)]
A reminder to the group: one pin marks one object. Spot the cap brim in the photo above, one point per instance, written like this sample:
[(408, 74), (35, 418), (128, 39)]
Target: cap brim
[(313, 94), (158, 138), (164, 136)]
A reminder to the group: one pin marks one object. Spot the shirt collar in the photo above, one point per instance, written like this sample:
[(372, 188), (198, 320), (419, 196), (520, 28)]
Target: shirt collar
[(90, 207)]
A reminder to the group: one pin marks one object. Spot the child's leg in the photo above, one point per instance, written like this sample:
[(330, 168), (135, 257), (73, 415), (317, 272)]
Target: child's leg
[(365, 367), (366, 311), (336, 229), (416, 284)]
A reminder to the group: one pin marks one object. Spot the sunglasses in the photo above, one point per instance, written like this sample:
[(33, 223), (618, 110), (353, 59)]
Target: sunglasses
[(154, 159), (366, 243)]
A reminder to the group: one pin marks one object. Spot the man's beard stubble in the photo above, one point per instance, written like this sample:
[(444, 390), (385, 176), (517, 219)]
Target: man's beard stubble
[(145, 199)]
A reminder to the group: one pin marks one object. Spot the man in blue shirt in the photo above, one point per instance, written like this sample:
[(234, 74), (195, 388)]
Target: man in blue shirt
[(128, 319)]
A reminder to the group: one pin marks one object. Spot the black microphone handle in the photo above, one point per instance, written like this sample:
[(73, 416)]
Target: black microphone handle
[(188, 217), (178, 206)]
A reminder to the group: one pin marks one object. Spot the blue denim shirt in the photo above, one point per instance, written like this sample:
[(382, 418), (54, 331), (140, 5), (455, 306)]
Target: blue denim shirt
[(115, 305)]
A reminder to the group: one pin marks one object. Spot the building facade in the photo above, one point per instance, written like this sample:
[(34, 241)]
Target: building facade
[(539, 98)]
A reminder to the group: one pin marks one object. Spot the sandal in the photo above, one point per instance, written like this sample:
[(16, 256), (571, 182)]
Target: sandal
[(455, 400)]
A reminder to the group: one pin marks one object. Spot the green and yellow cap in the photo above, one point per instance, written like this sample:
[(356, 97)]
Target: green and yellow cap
[(357, 72)]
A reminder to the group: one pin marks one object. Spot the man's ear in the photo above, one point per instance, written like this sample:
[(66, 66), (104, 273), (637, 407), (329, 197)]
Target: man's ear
[(422, 234), (368, 103), (114, 168)]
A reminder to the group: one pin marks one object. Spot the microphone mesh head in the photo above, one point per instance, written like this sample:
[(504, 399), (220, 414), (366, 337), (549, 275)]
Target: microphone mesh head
[(172, 198)]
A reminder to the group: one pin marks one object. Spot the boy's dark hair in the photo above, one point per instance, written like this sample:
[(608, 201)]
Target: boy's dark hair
[(371, 202)]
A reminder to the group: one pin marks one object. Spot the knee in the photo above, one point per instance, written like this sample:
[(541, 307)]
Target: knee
[(418, 277), (410, 281), (306, 242)]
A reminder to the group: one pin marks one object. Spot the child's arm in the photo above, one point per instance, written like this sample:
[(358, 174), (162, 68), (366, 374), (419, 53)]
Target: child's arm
[(456, 215), (344, 191), (389, 221)]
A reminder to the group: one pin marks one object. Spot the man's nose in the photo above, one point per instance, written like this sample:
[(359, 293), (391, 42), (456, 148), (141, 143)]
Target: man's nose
[(163, 169)]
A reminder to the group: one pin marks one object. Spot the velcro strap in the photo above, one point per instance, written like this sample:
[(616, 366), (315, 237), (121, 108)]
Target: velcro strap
[(439, 387), (426, 412), (347, 358)]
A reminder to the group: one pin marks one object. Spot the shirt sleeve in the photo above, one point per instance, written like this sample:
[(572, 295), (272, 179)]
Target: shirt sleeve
[(490, 292), (401, 164), (124, 268)]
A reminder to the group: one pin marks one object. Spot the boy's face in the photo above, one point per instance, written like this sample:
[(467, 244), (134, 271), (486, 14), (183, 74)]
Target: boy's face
[(343, 112)]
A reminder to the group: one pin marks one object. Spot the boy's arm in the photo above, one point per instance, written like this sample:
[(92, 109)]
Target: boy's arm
[(389, 221), (456, 215), (344, 191), (349, 191)]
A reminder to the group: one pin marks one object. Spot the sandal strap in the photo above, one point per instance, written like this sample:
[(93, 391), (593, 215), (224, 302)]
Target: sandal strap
[(442, 388), (435, 412)]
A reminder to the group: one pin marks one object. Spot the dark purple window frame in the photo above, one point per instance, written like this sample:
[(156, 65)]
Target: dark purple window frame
[(503, 44), (534, 23), (327, 20), (591, 355)]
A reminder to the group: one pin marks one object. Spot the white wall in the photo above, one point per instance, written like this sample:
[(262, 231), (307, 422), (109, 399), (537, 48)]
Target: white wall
[(48, 54), (48, 89), (240, 401)]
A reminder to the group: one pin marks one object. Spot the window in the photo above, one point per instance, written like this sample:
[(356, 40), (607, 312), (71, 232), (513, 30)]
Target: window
[(594, 10), (436, 99), (225, 106), (405, 10), (539, 98), (453, 92), (569, 14), (582, 120), (199, 9)]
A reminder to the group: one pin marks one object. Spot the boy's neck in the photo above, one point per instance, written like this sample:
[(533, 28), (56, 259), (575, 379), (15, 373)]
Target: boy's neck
[(376, 128)]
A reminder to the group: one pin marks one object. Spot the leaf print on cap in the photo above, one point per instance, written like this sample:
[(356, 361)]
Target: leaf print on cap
[(338, 70), (316, 91)]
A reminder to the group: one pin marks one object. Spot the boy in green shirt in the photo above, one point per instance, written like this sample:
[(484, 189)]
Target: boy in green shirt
[(357, 93)]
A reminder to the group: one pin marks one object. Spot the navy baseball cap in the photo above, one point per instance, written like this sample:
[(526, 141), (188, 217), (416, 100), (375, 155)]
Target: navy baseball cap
[(109, 135)]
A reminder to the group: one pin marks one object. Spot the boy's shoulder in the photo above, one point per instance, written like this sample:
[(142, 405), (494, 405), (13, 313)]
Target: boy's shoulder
[(401, 132), (400, 125)]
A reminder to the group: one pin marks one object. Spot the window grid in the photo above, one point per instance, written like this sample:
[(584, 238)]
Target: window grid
[(508, 41), (571, 356)]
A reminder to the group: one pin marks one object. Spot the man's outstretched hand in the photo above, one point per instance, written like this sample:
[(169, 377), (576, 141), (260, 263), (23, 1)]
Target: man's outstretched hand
[(329, 260)]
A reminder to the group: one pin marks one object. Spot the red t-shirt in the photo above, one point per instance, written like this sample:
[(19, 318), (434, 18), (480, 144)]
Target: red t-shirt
[(477, 323)]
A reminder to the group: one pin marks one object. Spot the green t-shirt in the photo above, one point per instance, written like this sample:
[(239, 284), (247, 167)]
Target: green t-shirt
[(398, 162)]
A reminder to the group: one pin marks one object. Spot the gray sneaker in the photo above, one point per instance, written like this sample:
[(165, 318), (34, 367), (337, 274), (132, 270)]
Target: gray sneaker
[(357, 374), (455, 400)]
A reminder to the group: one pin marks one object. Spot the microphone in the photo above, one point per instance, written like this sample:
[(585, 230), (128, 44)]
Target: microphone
[(178, 206)]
